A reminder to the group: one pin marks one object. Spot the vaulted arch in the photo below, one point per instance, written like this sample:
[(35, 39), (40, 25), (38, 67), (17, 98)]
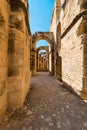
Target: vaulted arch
[(43, 48), (42, 57), (48, 36)]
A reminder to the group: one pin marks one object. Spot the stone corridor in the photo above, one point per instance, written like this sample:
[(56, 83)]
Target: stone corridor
[(48, 106)]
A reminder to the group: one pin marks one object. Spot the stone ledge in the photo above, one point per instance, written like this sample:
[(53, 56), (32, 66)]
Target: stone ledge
[(84, 12)]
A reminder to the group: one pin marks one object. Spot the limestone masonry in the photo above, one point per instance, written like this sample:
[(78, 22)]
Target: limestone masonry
[(14, 53), (65, 57), (69, 26)]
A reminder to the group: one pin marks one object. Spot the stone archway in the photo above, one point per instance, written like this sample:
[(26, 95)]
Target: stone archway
[(48, 36), (42, 58)]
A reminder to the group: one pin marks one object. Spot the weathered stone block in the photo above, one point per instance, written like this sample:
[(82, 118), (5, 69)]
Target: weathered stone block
[(14, 54), (59, 68), (4, 16), (3, 57), (3, 104), (15, 99), (84, 93), (17, 90), (71, 38), (15, 85), (2, 88), (3, 74)]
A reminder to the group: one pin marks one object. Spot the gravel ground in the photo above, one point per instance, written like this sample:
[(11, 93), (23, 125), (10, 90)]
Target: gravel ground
[(48, 106)]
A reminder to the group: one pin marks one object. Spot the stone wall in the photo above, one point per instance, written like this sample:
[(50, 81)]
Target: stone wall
[(72, 45), (4, 18), (15, 41), (53, 28), (18, 54), (53, 24), (71, 38)]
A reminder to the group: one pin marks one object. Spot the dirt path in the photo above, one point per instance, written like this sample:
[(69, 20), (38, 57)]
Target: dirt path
[(48, 106)]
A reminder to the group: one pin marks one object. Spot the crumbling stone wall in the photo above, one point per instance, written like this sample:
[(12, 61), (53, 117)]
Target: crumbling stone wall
[(71, 40), (53, 28), (4, 18), (15, 41), (72, 46), (18, 54)]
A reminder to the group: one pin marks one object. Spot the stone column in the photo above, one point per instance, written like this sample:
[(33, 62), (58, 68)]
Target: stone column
[(59, 68), (34, 60), (83, 32), (58, 58), (19, 54), (37, 61), (52, 61), (84, 89), (40, 62), (47, 64)]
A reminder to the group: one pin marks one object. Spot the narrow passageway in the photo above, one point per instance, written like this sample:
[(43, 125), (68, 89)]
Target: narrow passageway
[(48, 106)]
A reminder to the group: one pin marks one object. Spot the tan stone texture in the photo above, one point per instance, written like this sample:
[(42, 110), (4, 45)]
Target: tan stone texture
[(70, 31), (19, 59), (72, 45), (72, 59), (14, 54), (4, 16), (50, 39)]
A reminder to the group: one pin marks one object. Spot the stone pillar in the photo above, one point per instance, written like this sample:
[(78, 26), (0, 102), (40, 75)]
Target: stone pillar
[(84, 89), (44, 64), (34, 61), (18, 54), (48, 61), (52, 62), (37, 60), (58, 58), (59, 68), (40, 62), (4, 15), (83, 32), (47, 64)]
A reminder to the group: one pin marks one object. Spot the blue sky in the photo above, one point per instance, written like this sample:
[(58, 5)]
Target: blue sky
[(40, 16)]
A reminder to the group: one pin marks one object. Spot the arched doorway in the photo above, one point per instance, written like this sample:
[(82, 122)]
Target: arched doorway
[(48, 36), (43, 58)]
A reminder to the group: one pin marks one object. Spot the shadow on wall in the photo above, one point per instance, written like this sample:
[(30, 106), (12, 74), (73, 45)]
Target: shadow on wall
[(59, 68)]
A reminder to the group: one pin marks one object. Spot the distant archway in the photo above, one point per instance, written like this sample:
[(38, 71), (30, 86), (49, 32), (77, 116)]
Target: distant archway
[(41, 43), (42, 58), (48, 36)]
